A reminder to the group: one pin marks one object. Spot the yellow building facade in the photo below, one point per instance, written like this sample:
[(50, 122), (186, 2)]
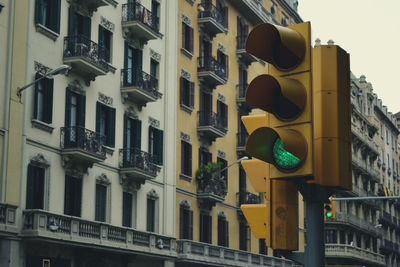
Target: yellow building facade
[(213, 73)]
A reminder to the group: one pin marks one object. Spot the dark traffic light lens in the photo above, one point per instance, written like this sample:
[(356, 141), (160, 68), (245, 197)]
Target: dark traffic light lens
[(284, 159)]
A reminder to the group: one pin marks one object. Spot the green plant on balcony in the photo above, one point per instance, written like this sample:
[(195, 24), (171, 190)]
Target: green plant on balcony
[(209, 180)]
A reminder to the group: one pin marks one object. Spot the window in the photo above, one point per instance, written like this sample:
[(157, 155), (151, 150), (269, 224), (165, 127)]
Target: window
[(223, 62), (105, 43), (186, 93), (284, 20), (155, 6), (127, 209), (387, 137), (47, 13), (133, 65), (224, 173), (78, 25), (243, 236), (74, 109), (35, 188), (154, 65), (222, 110), (132, 133), (223, 231), (185, 222), (262, 248), (73, 196), (43, 105), (101, 203), (151, 209), (105, 123), (186, 158), (331, 236), (205, 228), (204, 156), (156, 145), (187, 38)]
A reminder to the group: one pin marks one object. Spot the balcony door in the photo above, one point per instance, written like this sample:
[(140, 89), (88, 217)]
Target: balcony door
[(133, 64), (205, 54), (79, 28), (74, 116), (132, 140), (205, 108)]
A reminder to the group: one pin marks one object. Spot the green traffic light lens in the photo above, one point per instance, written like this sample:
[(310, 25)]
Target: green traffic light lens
[(284, 159), (329, 214)]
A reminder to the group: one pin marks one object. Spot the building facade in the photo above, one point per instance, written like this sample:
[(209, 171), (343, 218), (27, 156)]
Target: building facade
[(213, 73), (95, 185)]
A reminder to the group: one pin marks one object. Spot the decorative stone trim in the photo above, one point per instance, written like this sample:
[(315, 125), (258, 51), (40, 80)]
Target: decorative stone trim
[(107, 24), (221, 98), (221, 154), (152, 194), (154, 55), (74, 171), (185, 137), (40, 161), (76, 86), (131, 112), (222, 214), (103, 179), (186, 75), (221, 48), (185, 19), (42, 125), (46, 31), (154, 123), (185, 204), (105, 99), (42, 69)]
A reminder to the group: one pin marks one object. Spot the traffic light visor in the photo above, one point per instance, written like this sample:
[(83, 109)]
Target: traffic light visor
[(280, 46)]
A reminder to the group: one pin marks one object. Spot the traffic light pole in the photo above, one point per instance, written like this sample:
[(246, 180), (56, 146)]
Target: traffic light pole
[(314, 198)]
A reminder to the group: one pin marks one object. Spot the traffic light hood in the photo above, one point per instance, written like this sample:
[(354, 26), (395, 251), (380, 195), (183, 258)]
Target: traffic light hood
[(283, 47)]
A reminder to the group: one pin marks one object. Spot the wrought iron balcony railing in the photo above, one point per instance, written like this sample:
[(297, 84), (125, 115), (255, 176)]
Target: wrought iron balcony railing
[(81, 46), (80, 138), (211, 184), (207, 118), (135, 77), (135, 158), (207, 10), (212, 65), (135, 11), (247, 198)]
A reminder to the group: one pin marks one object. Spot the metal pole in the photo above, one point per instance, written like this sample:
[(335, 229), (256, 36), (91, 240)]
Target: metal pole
[(315, 250), (364, 198)]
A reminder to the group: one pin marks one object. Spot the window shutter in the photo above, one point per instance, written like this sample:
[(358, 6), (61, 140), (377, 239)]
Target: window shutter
[(111, 124), (202, 227), (189, 156), (98, 203), (190, 224), (184, 35), (226, 230), (30, 187), (220, 232), (191, 100), (191, 39), (78, 197), (126, 47), (137, 134), (101, 36), (160, 146), (67, 107), (151, 148), (98, 116), (125, 131), (48, 102), (87, 27), (57, 18), (209, 228), (35, 105), (82, 110), (183, 156), (127, 209), (181, 222), (226, 16), (71, 22), (182, 94), (38, 11), (67, 196), (227, 65)]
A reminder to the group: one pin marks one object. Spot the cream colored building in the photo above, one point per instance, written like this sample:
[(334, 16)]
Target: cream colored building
[(96, 185)]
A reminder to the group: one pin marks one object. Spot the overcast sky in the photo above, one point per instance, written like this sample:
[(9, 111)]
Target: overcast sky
[(367, 29)]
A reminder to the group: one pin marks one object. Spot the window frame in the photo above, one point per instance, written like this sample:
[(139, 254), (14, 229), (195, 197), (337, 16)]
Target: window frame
[(187, 39), (79, 182), (186, 167), (45, 88), (187, 93), (108, 114), (51, 26)]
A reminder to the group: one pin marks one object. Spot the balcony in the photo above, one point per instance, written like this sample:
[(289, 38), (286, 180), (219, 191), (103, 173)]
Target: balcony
[(80, 147), (247, 198), (211, 125), (136, 166), (87, 58), (241, 53), (210, 255), (241, 98), (354, 221), (211, 187), (8, 218), (365, 168), (388, 246), (353, 255), (253, 11), (139, 87), (91, 6), (211, 72), (139, 25), (386, 219), (43, 225), (211, 20)]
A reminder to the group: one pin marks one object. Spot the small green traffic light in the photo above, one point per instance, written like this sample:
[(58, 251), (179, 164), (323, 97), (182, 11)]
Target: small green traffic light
[(329, 214), (284, 159)]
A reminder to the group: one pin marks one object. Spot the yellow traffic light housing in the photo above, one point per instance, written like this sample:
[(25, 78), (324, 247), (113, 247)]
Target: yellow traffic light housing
[(285, 94), (330, 209)]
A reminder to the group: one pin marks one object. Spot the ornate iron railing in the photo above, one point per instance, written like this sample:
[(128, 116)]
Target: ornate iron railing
[(140, 79), (81, 138), (135, 11), (135, 158), (211, 64), (207, 10), (81, 46), (211, 183), (247, 198), (207, 118)]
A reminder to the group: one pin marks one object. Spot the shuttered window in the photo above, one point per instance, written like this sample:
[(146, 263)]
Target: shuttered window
[(224, 173), (47, 13), (223, 231), (205, 157), (156, 145), (186, 93), (185, 223), (205, 228), (151, 209), (35, 188), (187, 37), (101, 203), (127, 209), (186, 158), (262, 247), (43, 100), (73, 196), (105, 40), (105, 123), (243, 229)]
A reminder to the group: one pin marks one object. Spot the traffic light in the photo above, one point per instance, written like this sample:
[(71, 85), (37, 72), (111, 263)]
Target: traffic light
[(285, 93), (276, 219), (330, 209)]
